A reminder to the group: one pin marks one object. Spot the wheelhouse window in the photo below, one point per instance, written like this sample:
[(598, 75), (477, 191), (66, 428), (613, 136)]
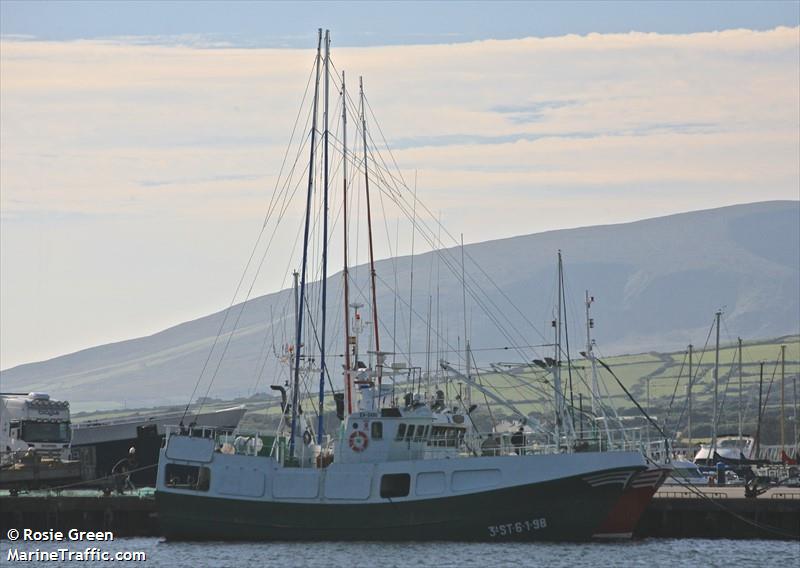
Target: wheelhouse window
[(377, 430), (443, 436), (190, 477), (395, 485), (410, 432), (401, 432)]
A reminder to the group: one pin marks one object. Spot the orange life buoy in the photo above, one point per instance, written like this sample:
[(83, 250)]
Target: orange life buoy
[(358, 441)]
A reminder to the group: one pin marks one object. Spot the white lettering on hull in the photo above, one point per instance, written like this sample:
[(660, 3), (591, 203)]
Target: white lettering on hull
[(518, 527)]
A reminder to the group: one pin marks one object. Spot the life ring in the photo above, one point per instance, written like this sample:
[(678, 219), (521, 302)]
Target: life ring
[(358, 441)]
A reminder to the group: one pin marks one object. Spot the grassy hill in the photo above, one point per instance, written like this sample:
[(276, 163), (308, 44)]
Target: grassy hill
[(657, 282), (530, 391)]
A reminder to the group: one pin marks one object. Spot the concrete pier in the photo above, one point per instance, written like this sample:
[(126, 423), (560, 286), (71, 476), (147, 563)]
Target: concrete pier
[(125, 515), (677, 512)]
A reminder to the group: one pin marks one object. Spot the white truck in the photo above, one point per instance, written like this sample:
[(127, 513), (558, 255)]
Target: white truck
[(34, 442), (34, 422)]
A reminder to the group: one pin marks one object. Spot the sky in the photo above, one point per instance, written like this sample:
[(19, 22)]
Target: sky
[(140, 142)]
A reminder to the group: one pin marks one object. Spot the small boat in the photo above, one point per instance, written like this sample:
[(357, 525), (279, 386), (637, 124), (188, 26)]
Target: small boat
[(684, 472), (730, 449)]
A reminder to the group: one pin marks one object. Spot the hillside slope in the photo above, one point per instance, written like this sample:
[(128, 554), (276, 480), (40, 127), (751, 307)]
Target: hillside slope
[(657, 283)]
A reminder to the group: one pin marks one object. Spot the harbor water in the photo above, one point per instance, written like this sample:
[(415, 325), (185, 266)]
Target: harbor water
[(647, 552)]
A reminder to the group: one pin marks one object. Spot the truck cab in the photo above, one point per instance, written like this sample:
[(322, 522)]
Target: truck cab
[(35, 423)]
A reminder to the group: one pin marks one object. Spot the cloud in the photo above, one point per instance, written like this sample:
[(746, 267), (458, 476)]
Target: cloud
[(181, 147), (477, 139)]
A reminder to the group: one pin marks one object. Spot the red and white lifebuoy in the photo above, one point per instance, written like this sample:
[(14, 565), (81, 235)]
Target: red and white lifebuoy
[(358, 441)]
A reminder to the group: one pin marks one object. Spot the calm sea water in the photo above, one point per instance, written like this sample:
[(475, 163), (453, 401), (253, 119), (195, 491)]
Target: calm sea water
[(650, 552)]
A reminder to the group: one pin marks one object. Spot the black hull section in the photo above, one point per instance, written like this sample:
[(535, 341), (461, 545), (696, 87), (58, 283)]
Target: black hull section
[(566, 509), (108, 454)]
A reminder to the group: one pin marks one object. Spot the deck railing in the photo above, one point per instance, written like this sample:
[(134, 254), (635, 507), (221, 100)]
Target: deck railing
[(465, 445)]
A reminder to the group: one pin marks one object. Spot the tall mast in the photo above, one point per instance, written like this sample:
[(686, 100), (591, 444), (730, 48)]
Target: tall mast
[(305, 253), (296, 288), (467, 354), (689, 394), (566, 340), (428, 349), (716, 390), (322, 368), (296, 294), (783, 380), (758, 424), (557, 361), (740, 388), (597, 406), (291, 348), (348, 379), (411, 283), (588, 303), (438, 296), (794, 401), (376, 327)]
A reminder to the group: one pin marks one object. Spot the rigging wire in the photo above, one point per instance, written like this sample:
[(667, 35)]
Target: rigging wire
[(247, 265)]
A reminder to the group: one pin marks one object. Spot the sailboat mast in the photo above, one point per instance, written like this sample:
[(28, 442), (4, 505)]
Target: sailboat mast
[(348, 379), (467, 354), (301, 302), (375, 325), (322, 369), (296, 294), (716, 391), (566, 340), (689, 394), (794, 403), (428, 349), (597, 406), (758, 424), (411, 280), (740, 388), (783, 380), (557, 361), (464, 307), (589, 352), (296, 289)]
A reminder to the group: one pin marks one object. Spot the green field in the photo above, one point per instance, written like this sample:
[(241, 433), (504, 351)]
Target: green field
[(659, 381), (666, 375)]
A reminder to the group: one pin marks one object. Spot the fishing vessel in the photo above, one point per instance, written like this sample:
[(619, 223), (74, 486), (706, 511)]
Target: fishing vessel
[(398, 466)]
